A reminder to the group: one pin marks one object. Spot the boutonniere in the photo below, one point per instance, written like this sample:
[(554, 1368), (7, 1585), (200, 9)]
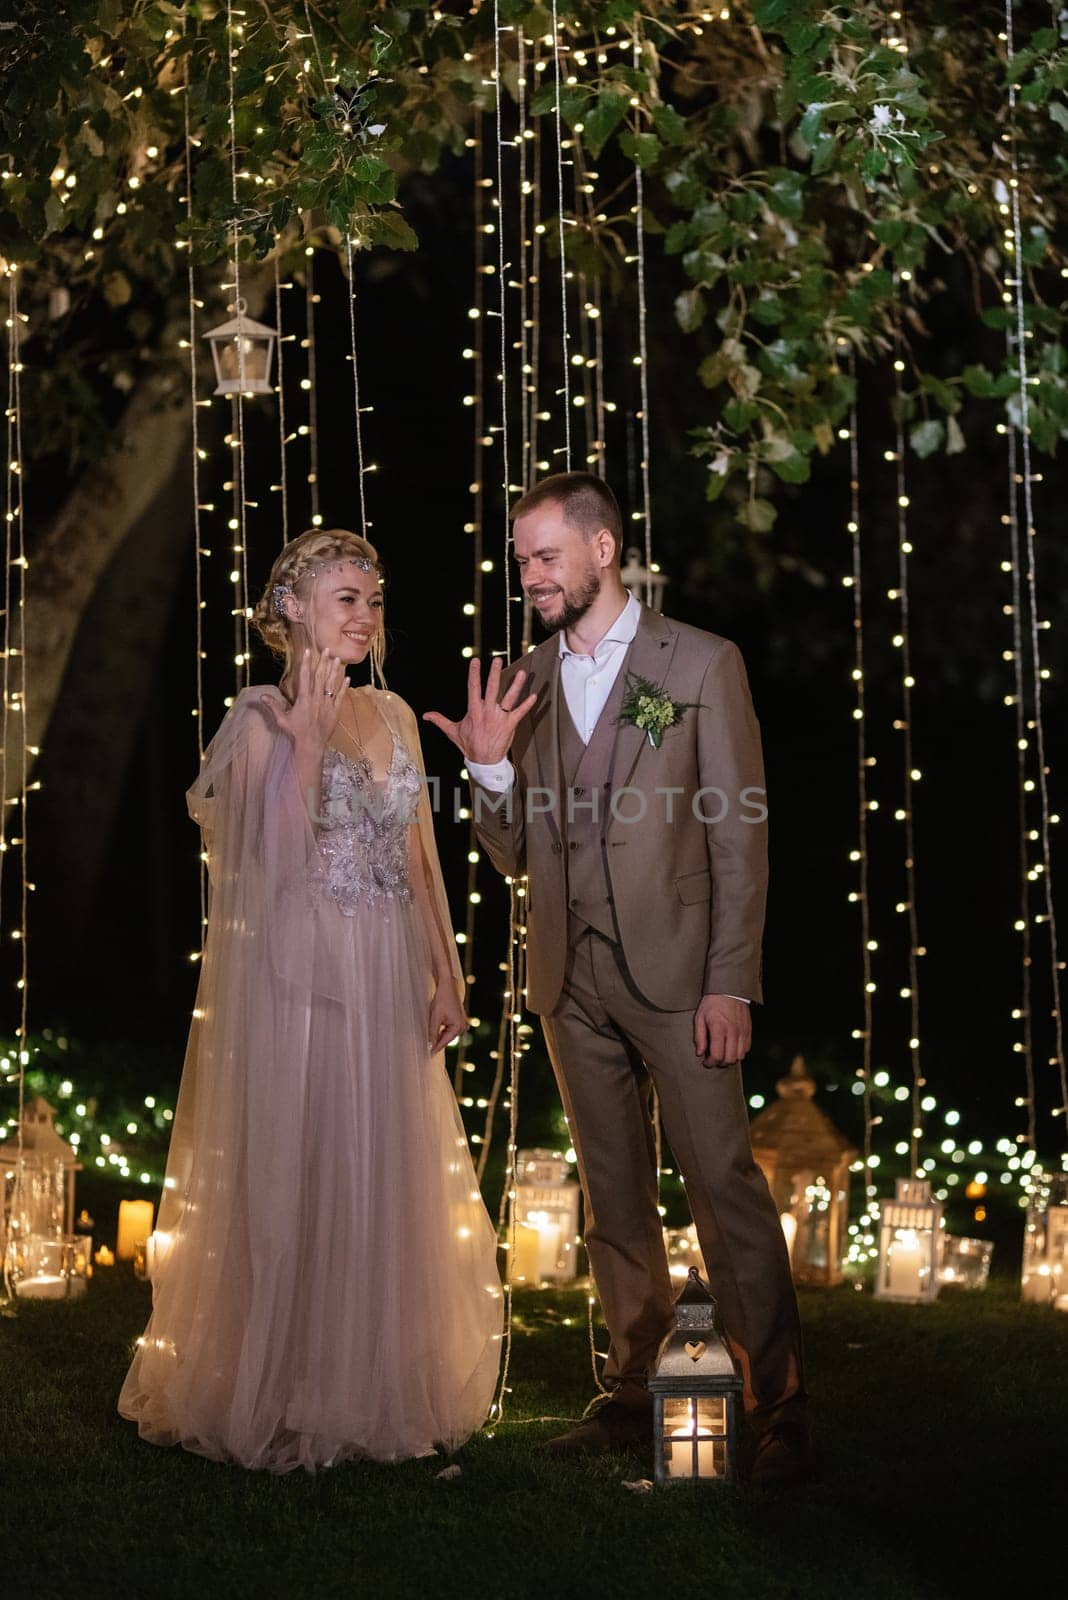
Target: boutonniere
[(649, 708)]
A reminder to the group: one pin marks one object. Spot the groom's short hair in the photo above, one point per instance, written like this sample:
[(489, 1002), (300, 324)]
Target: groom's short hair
[(586, 501)]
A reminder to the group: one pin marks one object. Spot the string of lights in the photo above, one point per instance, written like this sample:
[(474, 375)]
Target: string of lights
[(197, 454), (280, 390), (310, 429), (360, 468), (643, 346), (1042, 869), (236, 440), (860, 854), (910, 772), (565, 341)]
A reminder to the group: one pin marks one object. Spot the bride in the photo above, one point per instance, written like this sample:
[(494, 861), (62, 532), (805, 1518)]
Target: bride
[(325, 1284)]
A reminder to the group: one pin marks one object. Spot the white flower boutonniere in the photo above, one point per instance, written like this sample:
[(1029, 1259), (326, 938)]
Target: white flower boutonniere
[(649, 708)]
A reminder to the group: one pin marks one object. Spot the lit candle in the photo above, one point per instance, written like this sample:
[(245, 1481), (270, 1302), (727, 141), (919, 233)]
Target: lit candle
[(789, 1228), (526, 1262), (680, 1456), (906, 1260), (104, 1257), (135, 1225)]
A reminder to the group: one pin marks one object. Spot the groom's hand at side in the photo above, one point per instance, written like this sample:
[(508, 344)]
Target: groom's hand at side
[(484, 734), (722, 1030)]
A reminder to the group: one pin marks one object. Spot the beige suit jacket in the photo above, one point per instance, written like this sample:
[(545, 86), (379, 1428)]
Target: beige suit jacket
[(685, 829)]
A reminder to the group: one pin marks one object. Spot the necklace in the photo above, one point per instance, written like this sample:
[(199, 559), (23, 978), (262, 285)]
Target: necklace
[(352, 732)]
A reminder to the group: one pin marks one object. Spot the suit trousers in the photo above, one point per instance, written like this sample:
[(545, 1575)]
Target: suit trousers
[(608, 1045)]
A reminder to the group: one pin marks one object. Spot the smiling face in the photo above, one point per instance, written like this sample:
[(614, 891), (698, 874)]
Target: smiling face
[(560, 569), (344, 613)]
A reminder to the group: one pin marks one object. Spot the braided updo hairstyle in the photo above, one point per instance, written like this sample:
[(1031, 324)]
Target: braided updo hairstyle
[(296, 565)]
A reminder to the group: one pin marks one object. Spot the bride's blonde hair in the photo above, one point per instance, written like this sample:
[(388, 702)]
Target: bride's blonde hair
[(296, 566)]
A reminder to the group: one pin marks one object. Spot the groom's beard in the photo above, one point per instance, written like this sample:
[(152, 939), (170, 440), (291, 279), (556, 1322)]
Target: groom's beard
[(575, 604)]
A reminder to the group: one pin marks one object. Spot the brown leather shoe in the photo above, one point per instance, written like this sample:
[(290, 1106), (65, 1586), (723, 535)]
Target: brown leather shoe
[(611, 1426), (783, 1456)]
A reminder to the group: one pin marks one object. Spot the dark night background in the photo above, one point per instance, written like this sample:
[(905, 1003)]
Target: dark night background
[(124, 972)]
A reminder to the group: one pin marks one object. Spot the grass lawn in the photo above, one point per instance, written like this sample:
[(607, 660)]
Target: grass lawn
[(942, 1435)]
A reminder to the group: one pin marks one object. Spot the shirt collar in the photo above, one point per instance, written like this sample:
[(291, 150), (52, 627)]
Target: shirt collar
[(621, 631)]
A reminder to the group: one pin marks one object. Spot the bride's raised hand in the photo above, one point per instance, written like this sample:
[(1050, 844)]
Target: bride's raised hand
[(313, 715)]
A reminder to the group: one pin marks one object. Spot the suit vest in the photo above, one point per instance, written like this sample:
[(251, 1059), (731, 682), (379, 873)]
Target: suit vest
[(586, 772)]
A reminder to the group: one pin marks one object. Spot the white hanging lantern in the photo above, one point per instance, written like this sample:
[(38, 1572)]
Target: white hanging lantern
[(546, 1219), (910, 1244), (647, 583), (696, 1394), (1045, 1252), (242, 350)]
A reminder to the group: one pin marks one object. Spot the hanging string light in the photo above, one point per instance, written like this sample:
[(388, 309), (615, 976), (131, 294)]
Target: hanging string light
[(197, 454), (1044, 868), (910, 773), (283, 486), (309, 383), (361, 470), (15, 699), (643, 347), (865, 1240), (565, 339)]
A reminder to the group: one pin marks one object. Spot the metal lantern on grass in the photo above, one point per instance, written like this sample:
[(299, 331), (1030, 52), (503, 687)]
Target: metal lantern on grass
[(910, 1244), (648, 583), (806, 1162), (242, 350), (43, 1257), (965, 1262), (546, 1218), (1045, 1252), (696, 1395)]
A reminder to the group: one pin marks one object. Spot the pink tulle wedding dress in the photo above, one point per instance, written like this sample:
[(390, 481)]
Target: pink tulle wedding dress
[(325, 1283)]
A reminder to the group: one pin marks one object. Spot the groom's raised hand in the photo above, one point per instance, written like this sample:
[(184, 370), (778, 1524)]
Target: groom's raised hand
[(485, 732)]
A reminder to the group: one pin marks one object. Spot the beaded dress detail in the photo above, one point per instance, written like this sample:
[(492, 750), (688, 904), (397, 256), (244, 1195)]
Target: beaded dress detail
[(363, 822)]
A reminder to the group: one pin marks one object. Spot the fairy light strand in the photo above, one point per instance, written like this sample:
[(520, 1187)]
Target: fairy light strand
[(564, 334), (198, 549), (360, 468), (910, 775), (1018, 698), (283, 487), (1038, 671), (643, 348), (239, 518), (311, 427), (864, 804)]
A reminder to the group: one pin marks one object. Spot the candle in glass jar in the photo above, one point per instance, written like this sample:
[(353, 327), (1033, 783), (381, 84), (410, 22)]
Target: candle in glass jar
[(680, 1456)]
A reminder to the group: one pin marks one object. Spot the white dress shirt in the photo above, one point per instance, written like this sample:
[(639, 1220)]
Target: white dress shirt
[(587, 682)]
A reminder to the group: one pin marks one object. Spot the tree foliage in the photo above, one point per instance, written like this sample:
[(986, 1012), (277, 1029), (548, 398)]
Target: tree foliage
[(813, 180)]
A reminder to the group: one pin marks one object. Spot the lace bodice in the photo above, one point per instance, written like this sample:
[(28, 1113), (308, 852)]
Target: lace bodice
[(363, 828)]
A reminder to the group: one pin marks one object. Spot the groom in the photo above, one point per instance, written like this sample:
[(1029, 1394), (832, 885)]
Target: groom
[(647, 872)]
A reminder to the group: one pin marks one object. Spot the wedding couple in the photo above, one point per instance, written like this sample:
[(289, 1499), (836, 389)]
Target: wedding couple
[(326, 1283)]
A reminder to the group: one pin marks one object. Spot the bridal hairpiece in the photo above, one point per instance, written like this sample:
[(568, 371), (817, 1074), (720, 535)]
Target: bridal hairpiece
[(281, 590)]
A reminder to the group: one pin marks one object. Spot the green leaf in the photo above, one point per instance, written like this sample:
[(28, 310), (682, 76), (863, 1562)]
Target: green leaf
[(786, 195), (758, 516), (389, 228), (926, 437), (602, 119), (792, 467), (670, 126), (1059, 114), (642, 148)]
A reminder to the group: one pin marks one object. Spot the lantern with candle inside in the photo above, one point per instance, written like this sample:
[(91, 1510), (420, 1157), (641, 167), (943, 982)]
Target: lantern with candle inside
[(38, 1180), (965, 1262), (1045, 1252), (806, 1162), (546, 1218), (696, 1394), (910, 1244), (242, 350), (648, 583), (135, 1225)]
